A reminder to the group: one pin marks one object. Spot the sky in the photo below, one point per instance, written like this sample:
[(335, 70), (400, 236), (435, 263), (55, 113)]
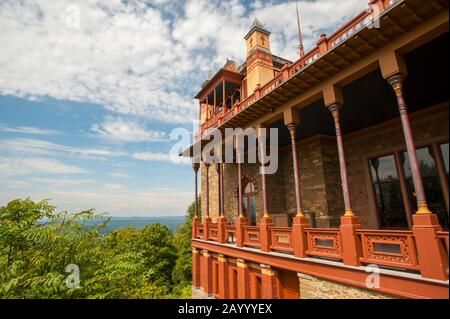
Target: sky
[(91, 90)]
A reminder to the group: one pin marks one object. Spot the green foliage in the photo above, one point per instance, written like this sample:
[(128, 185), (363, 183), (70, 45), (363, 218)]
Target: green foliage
[(37, 244)]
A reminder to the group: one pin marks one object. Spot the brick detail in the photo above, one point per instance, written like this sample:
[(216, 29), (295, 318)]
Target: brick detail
[(269, 283)]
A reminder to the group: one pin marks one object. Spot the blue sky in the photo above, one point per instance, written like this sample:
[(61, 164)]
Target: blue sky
[(90, 91)]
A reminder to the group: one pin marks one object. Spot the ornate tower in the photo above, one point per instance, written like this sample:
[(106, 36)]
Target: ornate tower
[(259, 58)]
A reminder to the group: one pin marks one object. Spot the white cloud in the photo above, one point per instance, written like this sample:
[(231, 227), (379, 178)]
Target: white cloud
[(29, 130), (11, 166), (45, 148), (61, 182), (151, 156), (119, 130), (132, 58)]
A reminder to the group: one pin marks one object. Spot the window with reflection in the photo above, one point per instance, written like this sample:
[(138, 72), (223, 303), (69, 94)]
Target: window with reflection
[(431, 181), (249, 203), (388, 192)]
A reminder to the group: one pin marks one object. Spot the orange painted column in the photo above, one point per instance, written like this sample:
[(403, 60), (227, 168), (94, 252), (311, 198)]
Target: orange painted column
[(195, 268), (243, 280), (207, 273), (269, 282), (223, 277), (433, 261)]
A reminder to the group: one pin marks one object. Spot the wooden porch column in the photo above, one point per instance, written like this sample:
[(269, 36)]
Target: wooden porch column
[(335, 111), (352, 250), (215, 100), (299, 236), (219, 191), (224, 99), (241, 221), (266, 222), (221, 220), (196, 220), (433, 260), (396, 81), (206, 218)]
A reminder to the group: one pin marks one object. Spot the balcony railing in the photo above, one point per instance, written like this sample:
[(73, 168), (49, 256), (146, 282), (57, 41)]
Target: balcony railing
[(324, 46), (384, 248)]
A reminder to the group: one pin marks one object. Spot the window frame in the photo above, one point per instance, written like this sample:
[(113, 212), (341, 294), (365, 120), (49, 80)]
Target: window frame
[(435, 146)]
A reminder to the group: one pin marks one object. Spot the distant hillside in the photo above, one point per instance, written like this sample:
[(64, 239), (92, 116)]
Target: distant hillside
[(172, 222)]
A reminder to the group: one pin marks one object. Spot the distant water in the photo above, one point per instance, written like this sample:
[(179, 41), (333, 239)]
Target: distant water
[(172, 222)]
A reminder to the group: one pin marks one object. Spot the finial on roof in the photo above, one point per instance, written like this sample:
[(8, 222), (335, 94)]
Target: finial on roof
[(300, 37)]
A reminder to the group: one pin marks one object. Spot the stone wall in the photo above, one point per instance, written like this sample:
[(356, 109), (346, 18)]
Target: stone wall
[(316, 288)]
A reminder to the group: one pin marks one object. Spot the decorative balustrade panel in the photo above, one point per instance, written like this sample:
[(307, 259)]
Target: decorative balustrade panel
[(231, 234), (281, 239), (251, 236), (200, 231), (324, 243), (212, 232), (389, 248)]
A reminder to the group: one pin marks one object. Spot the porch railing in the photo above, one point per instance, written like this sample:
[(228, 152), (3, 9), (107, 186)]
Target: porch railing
[(324, 243), (251, 236), (389, 248), (384, 248)]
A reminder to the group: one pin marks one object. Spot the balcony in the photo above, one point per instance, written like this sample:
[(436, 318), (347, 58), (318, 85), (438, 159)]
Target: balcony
[(329, 56), (388, 249)]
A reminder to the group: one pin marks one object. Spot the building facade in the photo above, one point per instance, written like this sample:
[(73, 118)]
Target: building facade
[(359, 205)]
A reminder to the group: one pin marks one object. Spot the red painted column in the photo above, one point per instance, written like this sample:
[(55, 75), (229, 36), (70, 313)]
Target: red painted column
[(196, 220), (240, 220), (269, 282), (224, 99), (266, 222), (219, 191), (351, 243), (433, 260), (223, 277), (206, 219), (397, 83), (298, 197), (196, 268), (335, 111), (243, 280), (207, 273)]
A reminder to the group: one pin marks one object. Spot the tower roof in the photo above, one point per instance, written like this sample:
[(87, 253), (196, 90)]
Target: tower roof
[(256, 26)]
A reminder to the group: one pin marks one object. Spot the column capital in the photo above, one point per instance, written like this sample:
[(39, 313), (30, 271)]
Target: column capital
[(335, 109), (267, 270), (396, 81), (241, 263), (195, 250), (221, 258), (205, 253)]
